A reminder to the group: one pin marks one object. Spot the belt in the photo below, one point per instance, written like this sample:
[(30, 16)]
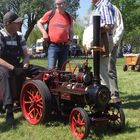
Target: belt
[(59, 44)]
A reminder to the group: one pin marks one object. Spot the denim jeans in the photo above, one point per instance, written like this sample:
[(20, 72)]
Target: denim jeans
[(57, 55)]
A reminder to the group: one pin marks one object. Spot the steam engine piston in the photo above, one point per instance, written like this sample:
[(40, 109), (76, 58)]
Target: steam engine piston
[(98, 95)]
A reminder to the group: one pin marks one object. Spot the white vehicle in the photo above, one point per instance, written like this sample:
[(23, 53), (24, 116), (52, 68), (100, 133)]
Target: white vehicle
[(39, 46), (38, 49)]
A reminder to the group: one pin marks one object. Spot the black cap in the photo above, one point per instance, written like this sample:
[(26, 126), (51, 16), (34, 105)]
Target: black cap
[(10, 17)]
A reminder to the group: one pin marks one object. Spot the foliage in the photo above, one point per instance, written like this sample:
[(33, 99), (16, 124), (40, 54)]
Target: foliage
[(78, 30), (33, 10), (130, 10), (34, 35), (2, 12)]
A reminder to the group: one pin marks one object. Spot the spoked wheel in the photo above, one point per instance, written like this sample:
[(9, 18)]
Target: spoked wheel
[(35, 101), (79, 123), (116, 117), (70, 66)]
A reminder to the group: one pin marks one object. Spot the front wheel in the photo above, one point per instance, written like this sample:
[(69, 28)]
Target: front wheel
[(35, 101), (79, 123)]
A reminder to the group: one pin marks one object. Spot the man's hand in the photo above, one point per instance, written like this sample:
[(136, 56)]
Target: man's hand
[(45, 37), (69, 42)]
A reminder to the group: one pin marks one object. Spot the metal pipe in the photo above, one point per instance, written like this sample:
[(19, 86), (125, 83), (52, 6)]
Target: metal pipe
[(96, 46)]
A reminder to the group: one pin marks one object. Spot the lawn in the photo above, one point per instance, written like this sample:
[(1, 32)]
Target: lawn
[(57, 129)]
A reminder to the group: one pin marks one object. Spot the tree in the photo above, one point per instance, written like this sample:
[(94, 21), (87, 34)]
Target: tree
[(78, 30), (130, 10), (33, 10), (34, 35)]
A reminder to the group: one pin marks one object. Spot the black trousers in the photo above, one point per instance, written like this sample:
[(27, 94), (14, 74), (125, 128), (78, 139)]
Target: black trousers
[(10, 84), (5, 86)]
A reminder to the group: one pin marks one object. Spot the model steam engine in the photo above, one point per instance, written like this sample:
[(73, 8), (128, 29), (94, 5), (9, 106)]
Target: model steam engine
[(76, 90), (81, 96)]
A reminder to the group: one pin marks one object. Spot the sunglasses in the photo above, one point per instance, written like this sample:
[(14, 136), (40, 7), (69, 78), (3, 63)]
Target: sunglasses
[(59, 4)]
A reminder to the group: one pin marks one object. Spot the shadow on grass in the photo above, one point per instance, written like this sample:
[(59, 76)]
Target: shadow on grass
[(132, 105), (130, 97), (131, 101), (4, 127), (99, 132), (96, 132)]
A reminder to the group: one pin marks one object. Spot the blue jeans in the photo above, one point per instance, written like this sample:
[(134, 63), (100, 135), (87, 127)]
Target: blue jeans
[(57, 55)]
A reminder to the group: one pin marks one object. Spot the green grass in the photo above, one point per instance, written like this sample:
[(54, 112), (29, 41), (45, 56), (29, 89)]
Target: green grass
[(57, 129)]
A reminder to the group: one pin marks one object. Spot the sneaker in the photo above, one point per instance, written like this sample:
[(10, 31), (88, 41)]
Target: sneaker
[(115, 99)]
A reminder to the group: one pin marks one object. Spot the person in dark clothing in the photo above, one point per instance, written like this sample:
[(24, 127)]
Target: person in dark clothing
[(127, 49), (13, 49)]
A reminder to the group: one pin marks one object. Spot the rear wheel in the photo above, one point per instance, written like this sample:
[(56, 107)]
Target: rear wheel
[(116, 117), (79, 123), (35, 101)]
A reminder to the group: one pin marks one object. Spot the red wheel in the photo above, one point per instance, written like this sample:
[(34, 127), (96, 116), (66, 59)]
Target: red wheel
[(35, 101), (70, 66), (79, 123), (116, 117)]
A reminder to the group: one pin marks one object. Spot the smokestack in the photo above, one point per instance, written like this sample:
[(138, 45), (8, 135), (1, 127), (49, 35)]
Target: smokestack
[(96, 47)]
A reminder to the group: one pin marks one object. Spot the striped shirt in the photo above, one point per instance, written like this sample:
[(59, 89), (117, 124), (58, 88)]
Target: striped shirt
[(12, 40), (118, 29), (106, 11)]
